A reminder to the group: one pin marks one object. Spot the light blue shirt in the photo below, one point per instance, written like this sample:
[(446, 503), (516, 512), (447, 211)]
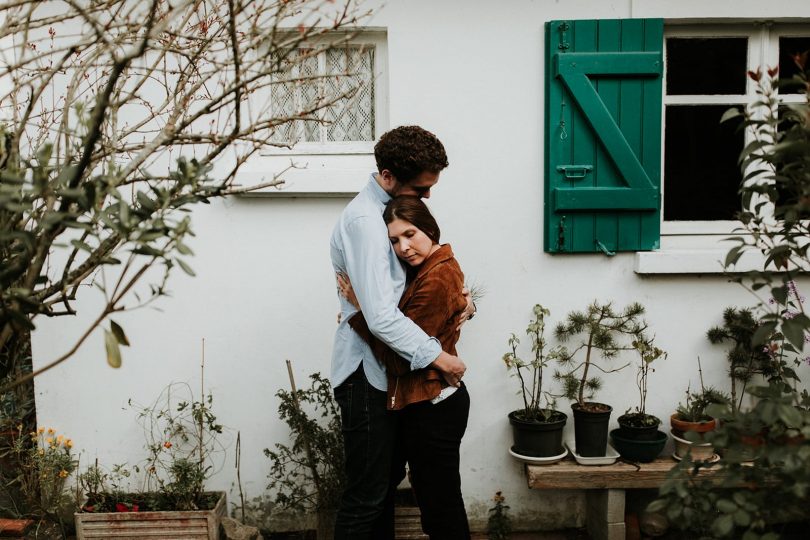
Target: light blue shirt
[(360, 248)]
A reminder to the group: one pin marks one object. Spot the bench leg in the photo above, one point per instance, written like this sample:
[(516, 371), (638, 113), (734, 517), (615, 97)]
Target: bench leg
[(605, 514)]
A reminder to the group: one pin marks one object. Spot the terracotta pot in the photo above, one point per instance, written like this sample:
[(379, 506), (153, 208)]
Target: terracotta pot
[(681, 426)]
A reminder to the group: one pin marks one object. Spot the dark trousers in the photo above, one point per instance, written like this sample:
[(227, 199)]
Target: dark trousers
[(432, 436), (369, 431)]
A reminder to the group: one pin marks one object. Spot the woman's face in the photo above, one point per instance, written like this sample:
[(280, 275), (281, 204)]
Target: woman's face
[(410, 243)]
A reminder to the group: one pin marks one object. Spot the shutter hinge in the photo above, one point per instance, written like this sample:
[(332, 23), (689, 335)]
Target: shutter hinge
[(561, 234), (563, 28)]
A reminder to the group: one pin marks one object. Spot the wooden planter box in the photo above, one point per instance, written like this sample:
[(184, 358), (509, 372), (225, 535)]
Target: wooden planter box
[(190, 524)]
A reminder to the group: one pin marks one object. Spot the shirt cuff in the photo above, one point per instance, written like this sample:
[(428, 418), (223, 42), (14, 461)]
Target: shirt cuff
[(426, 354)]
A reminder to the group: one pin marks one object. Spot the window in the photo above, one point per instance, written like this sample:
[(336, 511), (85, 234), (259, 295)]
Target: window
[(339, 98), (705, 75), (343, 76)]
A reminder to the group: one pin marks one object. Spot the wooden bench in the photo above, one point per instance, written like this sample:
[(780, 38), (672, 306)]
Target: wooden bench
[(605, 487)]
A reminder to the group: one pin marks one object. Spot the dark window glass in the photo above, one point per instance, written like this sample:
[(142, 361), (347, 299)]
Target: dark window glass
[(706, 65), (791, 50), (701, 175)]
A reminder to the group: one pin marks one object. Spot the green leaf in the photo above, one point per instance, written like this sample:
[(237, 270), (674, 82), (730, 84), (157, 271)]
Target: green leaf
[(724, 525), (118, 332), (186, 268), (726, 506), (113, 350), (763, 333), (741, 518), (183, 249), (730, 114), (794, 332), (81, 245)]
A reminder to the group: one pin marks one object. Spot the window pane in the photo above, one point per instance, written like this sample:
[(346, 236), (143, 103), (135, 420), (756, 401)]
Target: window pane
[(790, 50), (352, 118), (701, 175), (706, 65)]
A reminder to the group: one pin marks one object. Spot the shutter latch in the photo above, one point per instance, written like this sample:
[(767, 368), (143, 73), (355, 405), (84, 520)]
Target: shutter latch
[(561, 234), (574, 172), (604, 248)]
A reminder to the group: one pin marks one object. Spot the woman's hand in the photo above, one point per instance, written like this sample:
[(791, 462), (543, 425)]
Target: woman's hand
[(469, 311), (346, 290)]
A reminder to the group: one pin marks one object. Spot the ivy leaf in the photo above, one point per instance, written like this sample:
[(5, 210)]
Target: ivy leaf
[(113, 350)]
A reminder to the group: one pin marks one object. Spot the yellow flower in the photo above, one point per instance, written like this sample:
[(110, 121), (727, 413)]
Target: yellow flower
[(41, 452), (59, 439), (63, 473), (51, 431), (69, 443), (19, 427), (33, 434), (41, 430), (49, 441)]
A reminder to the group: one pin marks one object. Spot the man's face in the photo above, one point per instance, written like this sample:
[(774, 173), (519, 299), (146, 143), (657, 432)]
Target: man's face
[(419, 186)]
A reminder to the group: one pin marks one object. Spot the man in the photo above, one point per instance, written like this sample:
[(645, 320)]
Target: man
[(409, 161)]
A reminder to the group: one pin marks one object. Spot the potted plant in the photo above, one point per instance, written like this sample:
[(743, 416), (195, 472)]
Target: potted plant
[(536, 428), (745, 358), (182, 435), (640, 425), (691, 421), (597, 328), (638, 437), (306, 476)]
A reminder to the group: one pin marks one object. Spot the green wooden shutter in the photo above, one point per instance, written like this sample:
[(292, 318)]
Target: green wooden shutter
[(603, 135)]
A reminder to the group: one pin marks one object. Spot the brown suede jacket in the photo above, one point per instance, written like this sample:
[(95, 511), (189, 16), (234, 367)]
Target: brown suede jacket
[(432, 300)]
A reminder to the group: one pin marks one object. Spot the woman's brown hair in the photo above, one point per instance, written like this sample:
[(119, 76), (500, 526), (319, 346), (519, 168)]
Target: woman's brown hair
[(414, 211)]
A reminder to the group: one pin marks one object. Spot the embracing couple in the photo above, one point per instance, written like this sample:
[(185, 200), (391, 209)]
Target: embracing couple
[(395, 372)]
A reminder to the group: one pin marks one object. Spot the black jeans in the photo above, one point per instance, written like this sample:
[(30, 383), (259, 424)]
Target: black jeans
[(369, 431), (432, 436)]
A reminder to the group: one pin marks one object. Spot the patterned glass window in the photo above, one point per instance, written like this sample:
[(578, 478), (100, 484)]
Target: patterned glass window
[(331, 91)]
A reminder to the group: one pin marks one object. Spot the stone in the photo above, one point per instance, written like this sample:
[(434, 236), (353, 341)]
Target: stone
[(653, 524), (234, 530)]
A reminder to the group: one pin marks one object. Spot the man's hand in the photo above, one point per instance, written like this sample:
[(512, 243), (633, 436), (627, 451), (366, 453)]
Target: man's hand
[(469, 311), (451, 367)]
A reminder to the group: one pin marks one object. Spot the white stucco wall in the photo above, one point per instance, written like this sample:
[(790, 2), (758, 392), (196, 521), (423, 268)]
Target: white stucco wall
[(472, 72)]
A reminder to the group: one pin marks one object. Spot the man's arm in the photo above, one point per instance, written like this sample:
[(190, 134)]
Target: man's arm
[(366, 249)]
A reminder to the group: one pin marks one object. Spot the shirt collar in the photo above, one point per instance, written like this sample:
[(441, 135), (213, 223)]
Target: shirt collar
[(377, 191)]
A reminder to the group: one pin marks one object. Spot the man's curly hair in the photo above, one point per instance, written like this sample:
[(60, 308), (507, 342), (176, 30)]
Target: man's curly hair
[(408, 151)]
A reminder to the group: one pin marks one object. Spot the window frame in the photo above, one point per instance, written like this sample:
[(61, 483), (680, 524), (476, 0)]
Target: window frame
[(699, 247), (763, 52)]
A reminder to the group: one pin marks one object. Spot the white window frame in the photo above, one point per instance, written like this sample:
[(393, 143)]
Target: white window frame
[(330, 169), (689, 247)]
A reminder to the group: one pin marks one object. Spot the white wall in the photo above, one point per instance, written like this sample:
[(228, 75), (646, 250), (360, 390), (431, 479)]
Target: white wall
[(472, 72)]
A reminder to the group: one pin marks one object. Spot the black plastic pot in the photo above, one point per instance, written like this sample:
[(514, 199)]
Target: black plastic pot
[(638, 433), (591, 429), (642, 451), (537, 439)]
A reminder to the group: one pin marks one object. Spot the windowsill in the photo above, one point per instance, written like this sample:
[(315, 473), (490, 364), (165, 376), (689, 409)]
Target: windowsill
[(308, 183), (693, 261)]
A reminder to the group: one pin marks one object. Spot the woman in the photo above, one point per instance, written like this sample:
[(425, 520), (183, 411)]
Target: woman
[(433, 414)]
